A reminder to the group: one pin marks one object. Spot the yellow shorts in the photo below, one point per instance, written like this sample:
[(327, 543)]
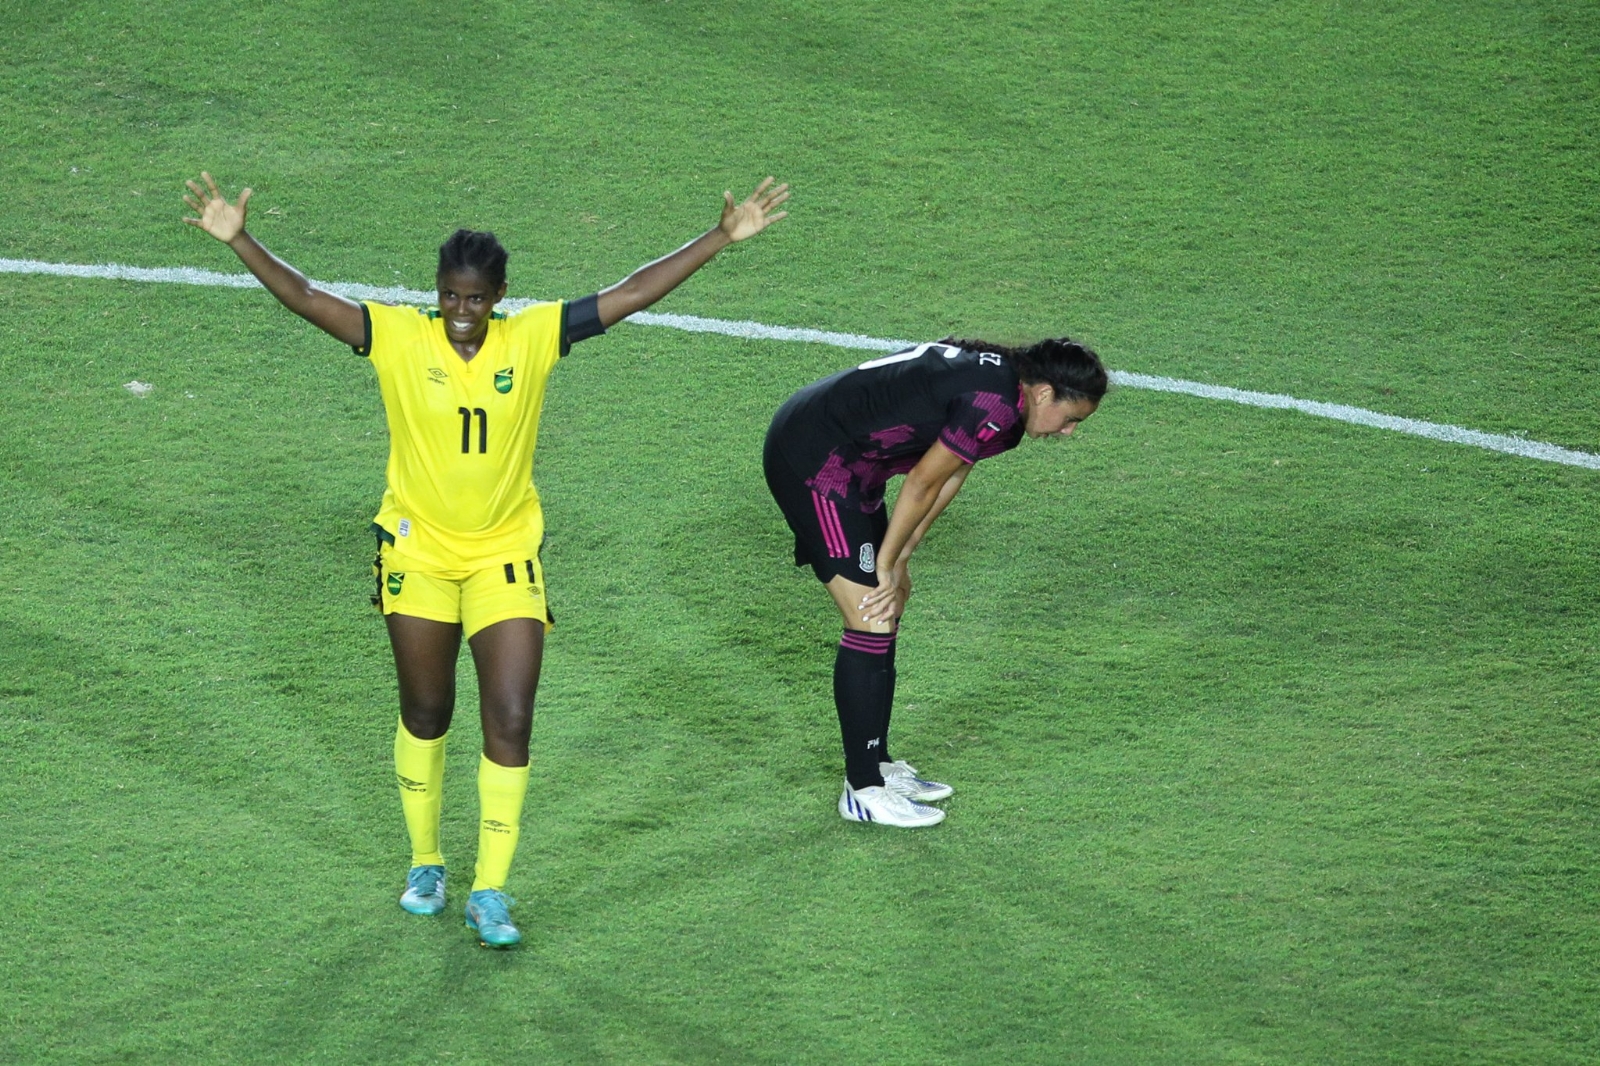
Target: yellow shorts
[(476, 599)]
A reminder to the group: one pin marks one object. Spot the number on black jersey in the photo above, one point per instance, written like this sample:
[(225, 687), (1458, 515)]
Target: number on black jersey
[(913, 353)]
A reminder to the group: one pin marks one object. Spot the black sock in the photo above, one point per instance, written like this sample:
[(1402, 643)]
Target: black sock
[(860, 691), (888, 698)]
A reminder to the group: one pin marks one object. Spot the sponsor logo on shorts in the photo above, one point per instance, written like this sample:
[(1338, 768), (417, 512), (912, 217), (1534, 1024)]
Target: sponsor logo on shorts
[(536, 592), (502, 380), (395, 581), (868, 559), (405, 527)]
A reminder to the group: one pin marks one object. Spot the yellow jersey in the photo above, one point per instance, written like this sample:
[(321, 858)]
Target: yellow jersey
[(462, 433)]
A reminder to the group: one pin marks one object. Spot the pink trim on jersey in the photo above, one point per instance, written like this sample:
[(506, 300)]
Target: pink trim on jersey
[(833, 479), (894, 435), (1000, 418), (961, 443), (832, 531)]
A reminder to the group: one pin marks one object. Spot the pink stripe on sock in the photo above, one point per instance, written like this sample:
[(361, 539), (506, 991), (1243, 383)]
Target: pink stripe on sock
[(871, 643)]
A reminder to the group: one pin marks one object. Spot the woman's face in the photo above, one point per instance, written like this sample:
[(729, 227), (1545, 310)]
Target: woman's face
[(1048, 417), (465, 300)]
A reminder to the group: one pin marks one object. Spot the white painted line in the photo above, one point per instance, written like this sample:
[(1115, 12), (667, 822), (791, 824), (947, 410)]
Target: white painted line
[(1529, 449), (767, 333)]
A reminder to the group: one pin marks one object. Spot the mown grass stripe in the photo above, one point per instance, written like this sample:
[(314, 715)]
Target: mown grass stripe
[(1528, 449)]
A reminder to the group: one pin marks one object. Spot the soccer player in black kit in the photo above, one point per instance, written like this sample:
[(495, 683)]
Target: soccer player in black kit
[(930, 413)]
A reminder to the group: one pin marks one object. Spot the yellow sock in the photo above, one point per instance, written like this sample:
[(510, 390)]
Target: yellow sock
[(419, 770), (500, 792)]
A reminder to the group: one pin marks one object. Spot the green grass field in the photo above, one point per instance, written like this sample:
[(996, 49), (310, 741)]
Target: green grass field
[(1274, 738)]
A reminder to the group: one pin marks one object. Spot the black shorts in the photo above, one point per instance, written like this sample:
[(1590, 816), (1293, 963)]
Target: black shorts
[(834, 537)]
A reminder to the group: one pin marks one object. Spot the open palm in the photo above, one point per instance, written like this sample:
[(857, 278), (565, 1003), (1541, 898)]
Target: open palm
[(218, 217), (755, 214)]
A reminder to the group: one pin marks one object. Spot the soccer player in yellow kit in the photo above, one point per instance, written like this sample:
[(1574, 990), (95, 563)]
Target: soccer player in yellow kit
[(459, 528)]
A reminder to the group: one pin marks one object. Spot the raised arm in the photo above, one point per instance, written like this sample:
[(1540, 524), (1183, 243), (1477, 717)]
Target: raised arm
[(654, 280), (928, 489), (334, 315)]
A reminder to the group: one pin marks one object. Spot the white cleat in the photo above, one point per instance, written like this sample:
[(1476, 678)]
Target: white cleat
[(877, 803), (902, 777)]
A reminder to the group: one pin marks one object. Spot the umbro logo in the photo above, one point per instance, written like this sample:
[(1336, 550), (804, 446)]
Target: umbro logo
[(496, 827), (437, 375), (410, 785)]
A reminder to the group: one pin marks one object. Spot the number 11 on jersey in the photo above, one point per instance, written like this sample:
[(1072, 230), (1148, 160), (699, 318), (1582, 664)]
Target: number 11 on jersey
[(466, 429)]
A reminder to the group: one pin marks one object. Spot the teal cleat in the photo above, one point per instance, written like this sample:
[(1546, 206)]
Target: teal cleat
[(424, 892), (488, 915)]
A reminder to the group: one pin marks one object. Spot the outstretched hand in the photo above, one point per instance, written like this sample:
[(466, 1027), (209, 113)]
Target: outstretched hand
[(218, 217), (749, 218)]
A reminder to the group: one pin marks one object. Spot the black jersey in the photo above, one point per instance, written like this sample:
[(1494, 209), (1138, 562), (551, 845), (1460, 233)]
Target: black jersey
[(848, 434)]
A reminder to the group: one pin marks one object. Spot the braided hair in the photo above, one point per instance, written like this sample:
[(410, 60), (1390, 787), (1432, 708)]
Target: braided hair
[(477, 251)]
